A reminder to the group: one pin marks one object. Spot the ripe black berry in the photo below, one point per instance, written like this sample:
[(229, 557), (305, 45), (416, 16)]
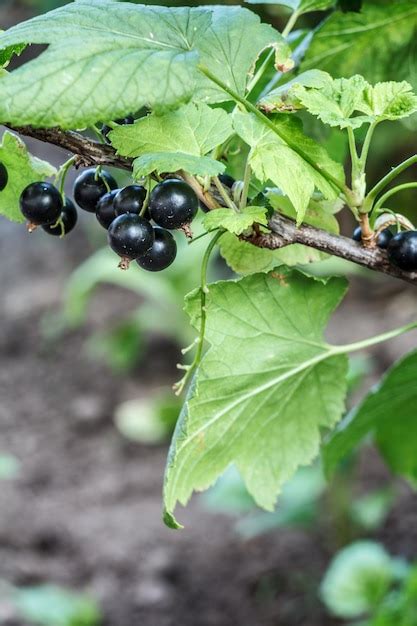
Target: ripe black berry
[(162, 254), (130, 200), (173, 204), (89, 187), (69, 219), (41, 203), (130, 236), (226, 180), (122, 122), (4, 176), (382, 241), (105, 213), (402, 250)]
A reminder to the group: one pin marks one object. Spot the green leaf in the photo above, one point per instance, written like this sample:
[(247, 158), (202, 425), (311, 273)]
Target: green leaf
[(301, 6), (389, 101), (23, 169), (244, 258), (106, 59), (48, 605), (177, 140), (167, 162), (336, 102), (357, 580), (387, 412), (283, 98), (264, 390), (377, 43), (235, 222), (298, 178)]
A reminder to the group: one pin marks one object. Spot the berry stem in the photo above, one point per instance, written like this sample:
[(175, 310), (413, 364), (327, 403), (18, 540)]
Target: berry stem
[(179, 387), (290, 24), (246, 183), (384, 182), (380, 203), (146, 200), (367, 232), (222, 191), (265, 120), (62, 175)]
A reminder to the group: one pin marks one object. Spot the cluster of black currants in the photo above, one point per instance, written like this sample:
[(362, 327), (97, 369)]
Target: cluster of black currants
[(401, 248), (125, 213)]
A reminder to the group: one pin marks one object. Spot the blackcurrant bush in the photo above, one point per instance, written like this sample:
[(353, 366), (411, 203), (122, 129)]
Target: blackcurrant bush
[(89, 187), (382, 241), (41, 203), (402, 250), (173, 204), (226, 180), (105, 213), (122, 122), (130, 236), (130, 199), (4, 176), (69, 219), (162, 254)]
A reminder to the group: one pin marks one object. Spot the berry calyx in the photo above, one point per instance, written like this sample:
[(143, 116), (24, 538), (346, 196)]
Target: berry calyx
[(173, 204), (41, 203), (89, 187), (130, 236), (105, 213), (4, 176), (162, 254), (383, 239), (130, 200), (66, 222), (402, 250), (122, 122)]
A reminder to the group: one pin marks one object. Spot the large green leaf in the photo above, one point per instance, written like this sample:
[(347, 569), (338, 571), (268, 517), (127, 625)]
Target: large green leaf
[(379, 42), (177, 140), (301, 6), (273, 159), (264, 390), (106, 59), (235, 221), (388, 413), (23, 169)]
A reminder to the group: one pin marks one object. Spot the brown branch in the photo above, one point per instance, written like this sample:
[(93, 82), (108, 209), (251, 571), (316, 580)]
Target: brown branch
[(284, 231), (88, 152)]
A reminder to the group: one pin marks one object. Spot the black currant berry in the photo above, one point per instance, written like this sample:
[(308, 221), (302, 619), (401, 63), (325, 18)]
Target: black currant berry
[(69, 219), (130, 200), (383, 240), (162, 254), (173, 204), (226, 180), (41, 203), (105, 213), (4, 176), (402, 250), (122, 122), (89, 187), (130, 236)]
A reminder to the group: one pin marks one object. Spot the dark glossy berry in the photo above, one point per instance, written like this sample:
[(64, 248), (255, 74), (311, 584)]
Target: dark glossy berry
[(130, 200), (402, 250), (4, 176), (41, 203), (105, 213), (89, 188), (383, 240), (162, 254), (130, 236), (226, 180), (173, 204), (69, 219), (122, 122)]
